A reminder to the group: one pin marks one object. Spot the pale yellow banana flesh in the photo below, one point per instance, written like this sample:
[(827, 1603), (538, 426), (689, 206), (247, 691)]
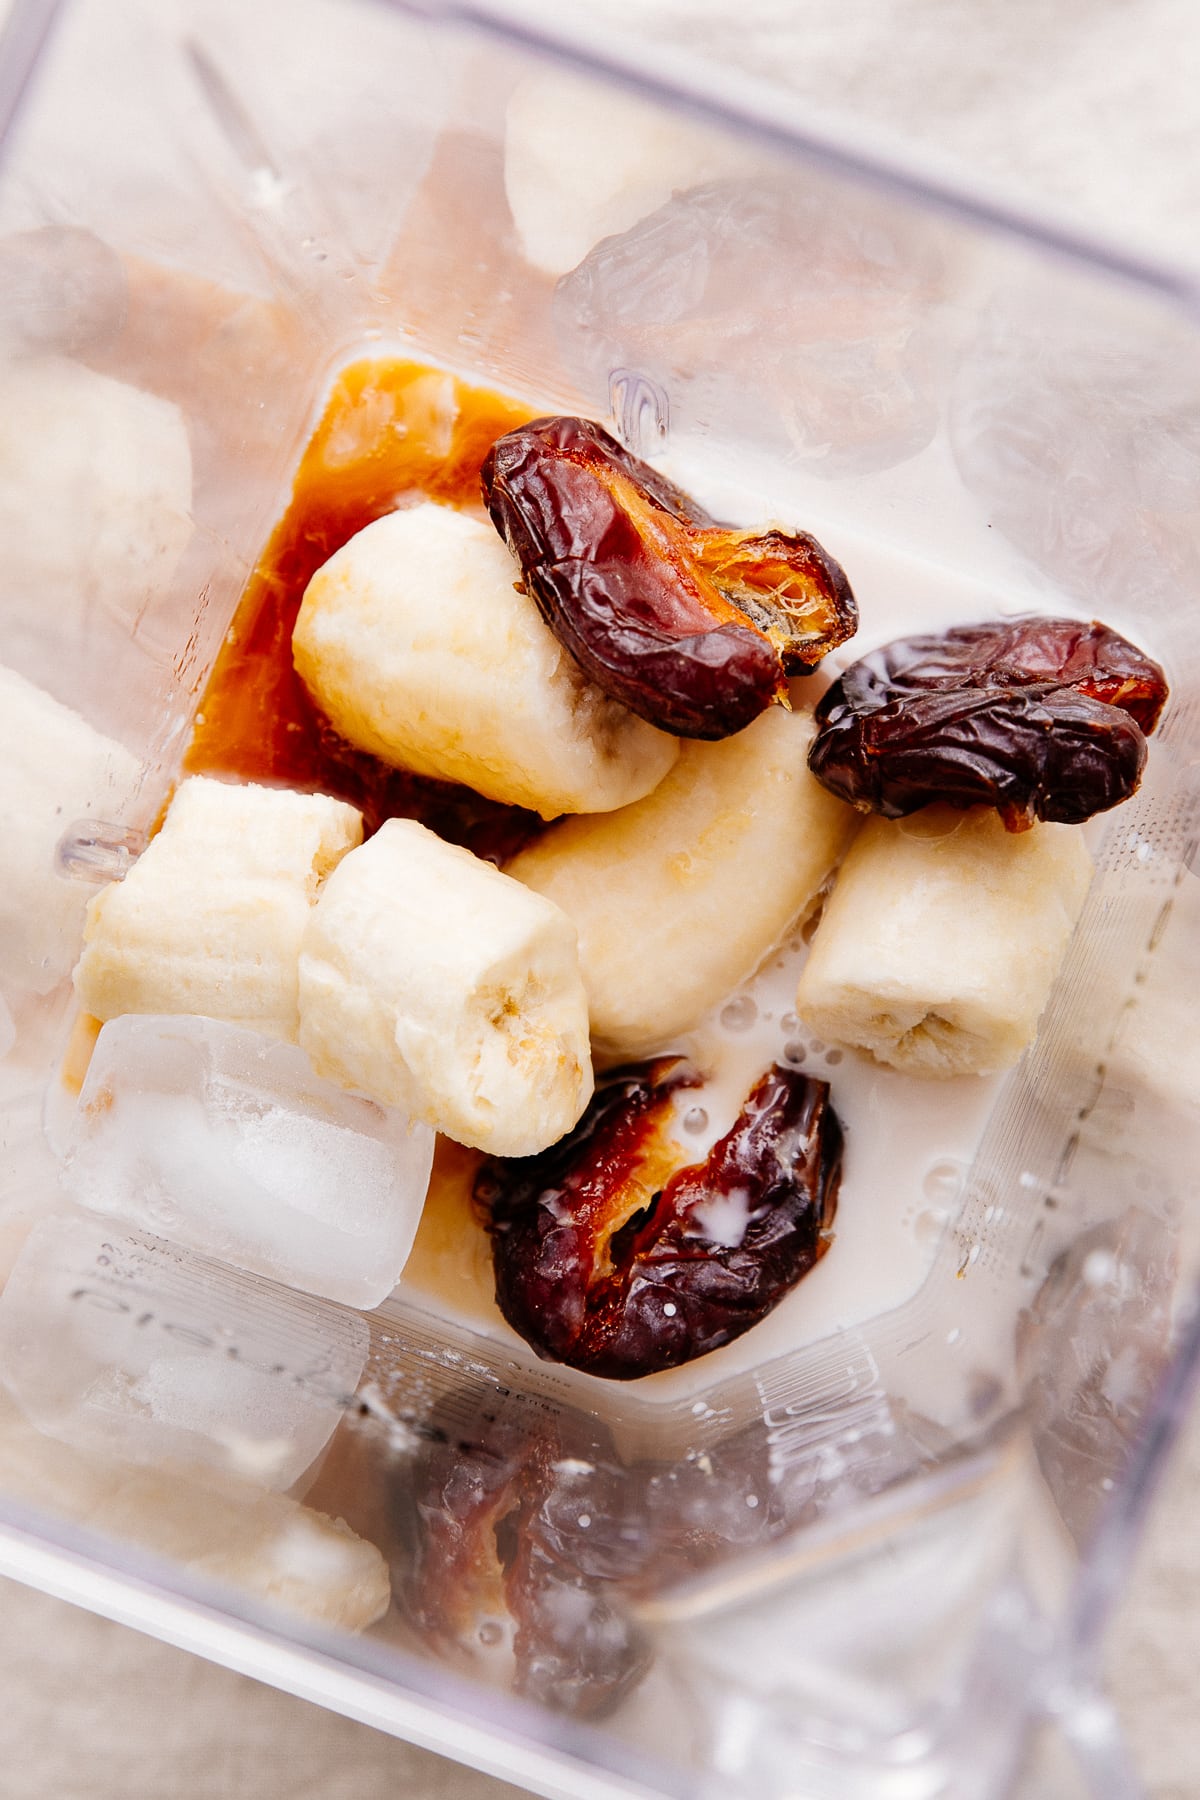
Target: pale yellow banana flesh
[(431, 981), (938, 947), (415, 642), (209, 919), (679, 897)]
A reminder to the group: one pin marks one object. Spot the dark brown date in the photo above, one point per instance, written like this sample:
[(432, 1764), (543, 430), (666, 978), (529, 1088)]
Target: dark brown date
[(526, 1531), (690, 624), (1040, 718), (610, 1258)]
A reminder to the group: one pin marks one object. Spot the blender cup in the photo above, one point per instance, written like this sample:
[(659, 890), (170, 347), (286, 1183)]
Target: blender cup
[(867, 1549)]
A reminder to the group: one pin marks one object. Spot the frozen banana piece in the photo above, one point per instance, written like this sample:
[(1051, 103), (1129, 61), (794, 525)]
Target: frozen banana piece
[(431, 981), (414, 640), (54, 770), (679, 898), (209, 919), (938, 947)]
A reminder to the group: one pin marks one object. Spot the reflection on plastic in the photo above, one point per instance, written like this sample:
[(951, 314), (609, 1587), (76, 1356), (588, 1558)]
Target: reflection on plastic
[(94, 850), (227, 1529), (61, 288), (1092, 1347), (534, 1549), (54, 767), (1083, 441), (797, 318), (124, 1345)]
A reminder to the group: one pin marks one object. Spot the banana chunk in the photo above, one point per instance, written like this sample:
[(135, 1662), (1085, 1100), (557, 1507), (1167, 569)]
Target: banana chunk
[(414, 640), (54, 769), (679, 898), (95, 505), (431, 981), (209, 919), (941, 940)]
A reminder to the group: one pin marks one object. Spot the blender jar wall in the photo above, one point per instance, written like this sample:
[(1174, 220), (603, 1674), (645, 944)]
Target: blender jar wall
[(205, 214)]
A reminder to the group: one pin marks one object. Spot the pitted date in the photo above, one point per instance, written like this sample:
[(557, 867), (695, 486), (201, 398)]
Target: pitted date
[(1040, 718), (688, 623), (614, 1260), (523, 1532)]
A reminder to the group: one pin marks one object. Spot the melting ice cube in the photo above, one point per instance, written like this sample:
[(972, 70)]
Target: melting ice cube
[(226, 1142), (125, 1346)]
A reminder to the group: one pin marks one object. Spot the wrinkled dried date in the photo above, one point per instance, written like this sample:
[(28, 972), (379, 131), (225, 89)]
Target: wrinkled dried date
[(689, 624), (524, 1530), (1040, 718), (611, 1259)]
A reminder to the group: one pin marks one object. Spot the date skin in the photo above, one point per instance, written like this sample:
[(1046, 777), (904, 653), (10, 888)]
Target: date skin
[(1040, 718), (613, 1260), (690, 624)]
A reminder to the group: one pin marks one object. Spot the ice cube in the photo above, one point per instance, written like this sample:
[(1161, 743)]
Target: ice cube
[(54, 769), (123, 1345), (759, 309), (225, 1141)]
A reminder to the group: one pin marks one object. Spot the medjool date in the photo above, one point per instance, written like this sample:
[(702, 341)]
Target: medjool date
[(690, 624), (612, 1259), (1040, 718)]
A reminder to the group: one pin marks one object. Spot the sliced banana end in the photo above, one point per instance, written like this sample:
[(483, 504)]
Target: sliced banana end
[(431, 981), (209, 919), (940, 1039), (941, 940)]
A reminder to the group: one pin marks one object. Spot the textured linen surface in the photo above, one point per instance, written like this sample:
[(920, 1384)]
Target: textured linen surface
[(93, 1711), (1089, 105)]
